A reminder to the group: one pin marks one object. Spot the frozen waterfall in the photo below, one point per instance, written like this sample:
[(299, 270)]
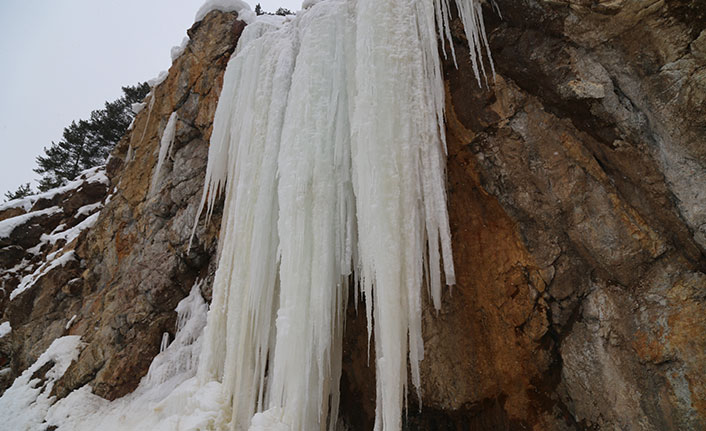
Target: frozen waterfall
[(328, 144)]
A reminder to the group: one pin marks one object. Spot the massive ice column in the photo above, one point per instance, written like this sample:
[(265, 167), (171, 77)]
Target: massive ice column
[(329, 146)]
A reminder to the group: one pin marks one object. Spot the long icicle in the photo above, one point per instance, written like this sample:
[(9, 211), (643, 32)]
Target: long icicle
[(330, 133)]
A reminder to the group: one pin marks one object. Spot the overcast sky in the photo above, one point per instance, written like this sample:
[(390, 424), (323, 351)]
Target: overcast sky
[(62, 59)]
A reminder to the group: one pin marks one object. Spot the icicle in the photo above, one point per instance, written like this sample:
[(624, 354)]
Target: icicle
[(149, 114), (164, 343), (165, 145), (314, 192), (328, 146), (330, 133), (247, 131), (178, 359), (399, 179), (471, 15)]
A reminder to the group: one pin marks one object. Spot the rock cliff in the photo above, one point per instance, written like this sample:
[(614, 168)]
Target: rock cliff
[(577, 198)]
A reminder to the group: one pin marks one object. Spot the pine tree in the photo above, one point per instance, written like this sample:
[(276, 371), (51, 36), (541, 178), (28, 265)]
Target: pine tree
[(88, 143), (22, 191), (258, 9)]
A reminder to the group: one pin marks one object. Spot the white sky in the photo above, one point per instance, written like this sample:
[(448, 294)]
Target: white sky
[(62, 59)]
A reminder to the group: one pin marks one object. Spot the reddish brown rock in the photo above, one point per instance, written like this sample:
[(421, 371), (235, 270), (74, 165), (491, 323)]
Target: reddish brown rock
[(133, 266), (576, 196), (138, 266), (40, 259)]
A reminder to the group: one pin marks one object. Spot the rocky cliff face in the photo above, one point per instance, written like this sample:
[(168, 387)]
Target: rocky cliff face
[(41, 273), (576, 185), (577, 190), (132, 267)]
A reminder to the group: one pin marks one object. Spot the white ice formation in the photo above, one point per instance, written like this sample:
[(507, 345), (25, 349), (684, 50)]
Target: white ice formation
[(163, 396), (328, 144), (165, 146)]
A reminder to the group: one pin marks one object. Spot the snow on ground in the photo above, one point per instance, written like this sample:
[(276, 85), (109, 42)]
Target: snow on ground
[(88, 209), (269, 420), (137, 107), (164, 395), (31, 270), (24, 405)]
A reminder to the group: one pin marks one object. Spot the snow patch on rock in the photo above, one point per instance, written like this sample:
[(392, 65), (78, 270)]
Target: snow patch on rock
[(243, 9), (5, 329)]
